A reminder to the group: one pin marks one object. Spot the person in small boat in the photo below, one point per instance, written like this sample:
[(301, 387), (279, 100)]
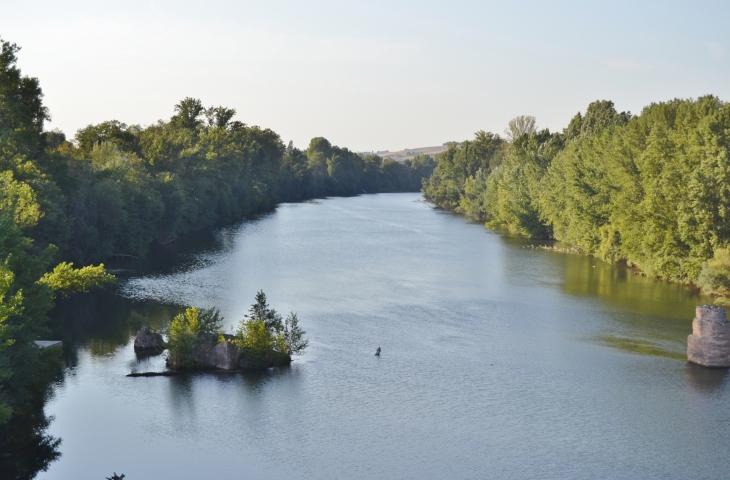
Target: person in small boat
[(377, 352)]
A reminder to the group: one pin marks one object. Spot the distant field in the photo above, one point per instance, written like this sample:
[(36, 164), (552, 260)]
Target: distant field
[(412, 152)]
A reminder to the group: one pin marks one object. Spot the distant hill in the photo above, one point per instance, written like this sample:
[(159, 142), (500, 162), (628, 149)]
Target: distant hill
[(409, 153)]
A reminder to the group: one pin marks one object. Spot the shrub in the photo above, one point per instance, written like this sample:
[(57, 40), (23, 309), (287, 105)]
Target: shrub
[(260, 346), (714, 278), (181, 336)]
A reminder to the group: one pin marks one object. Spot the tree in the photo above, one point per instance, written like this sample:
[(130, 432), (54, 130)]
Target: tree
[(219, 116), (66, 280), (518, 126), (22, 114), (459, 162), (125, 138), (210, 320), (188, 114), (265, 340), (259, 345), (599, 115), (294, 335), (10, 305), (261, 312)]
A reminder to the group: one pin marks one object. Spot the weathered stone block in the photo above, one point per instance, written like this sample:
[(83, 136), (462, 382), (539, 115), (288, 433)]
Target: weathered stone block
[(710, 329), (711, 313), (709, 344)]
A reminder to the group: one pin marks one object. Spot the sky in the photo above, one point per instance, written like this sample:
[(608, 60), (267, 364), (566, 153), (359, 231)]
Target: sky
[(367, 75)]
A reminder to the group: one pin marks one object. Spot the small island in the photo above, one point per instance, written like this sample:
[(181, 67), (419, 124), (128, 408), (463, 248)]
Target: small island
[(195, 339)]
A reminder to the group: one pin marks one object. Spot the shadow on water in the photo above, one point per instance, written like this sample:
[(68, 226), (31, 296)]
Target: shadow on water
[(182, 388), (104, 321), (25, 446), (706, 380), (254, 381), (183, 253)]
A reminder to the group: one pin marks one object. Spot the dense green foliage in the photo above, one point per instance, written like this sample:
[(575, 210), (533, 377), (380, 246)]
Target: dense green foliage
[(183, 331), (181, 336), (652, 190), (123, 187), (265, 339), (118, 188), (32, 213), (66, 280)]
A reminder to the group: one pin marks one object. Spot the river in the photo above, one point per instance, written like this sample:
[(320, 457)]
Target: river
[(498, 361)]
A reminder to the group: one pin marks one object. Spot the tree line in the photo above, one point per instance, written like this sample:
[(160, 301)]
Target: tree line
[(651, 190), (112, 191)]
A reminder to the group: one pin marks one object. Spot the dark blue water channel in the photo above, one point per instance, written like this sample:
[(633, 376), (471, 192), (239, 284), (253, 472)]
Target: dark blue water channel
[(499, 361)]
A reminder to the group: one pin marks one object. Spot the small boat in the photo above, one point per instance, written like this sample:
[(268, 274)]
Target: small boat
[(377, 352)]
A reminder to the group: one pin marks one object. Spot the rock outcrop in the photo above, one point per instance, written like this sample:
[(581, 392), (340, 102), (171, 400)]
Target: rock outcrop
[(208, 353), (147, 340), (709, 344), (226, 356)]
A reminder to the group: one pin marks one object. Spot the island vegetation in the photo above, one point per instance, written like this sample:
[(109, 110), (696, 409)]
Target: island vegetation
[(262, 339), (650, 190)]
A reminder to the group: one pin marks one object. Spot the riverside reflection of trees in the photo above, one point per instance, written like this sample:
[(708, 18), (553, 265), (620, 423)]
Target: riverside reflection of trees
[(103, 321), (651, 190)]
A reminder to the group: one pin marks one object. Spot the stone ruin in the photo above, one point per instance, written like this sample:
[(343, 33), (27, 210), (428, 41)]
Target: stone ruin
[(709, 344), (209, 353)]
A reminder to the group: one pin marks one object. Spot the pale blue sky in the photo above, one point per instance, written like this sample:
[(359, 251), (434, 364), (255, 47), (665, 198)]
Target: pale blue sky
[(372, 75)]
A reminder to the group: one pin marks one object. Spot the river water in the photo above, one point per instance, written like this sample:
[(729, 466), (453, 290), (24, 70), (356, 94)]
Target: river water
[(498, 361)]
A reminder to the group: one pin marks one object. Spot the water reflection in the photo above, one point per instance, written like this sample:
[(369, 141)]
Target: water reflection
[(143, 357), (645, 316), (706, 380), (181, 396), (641, 346), (104, 321), (254, 382), (25, 446)]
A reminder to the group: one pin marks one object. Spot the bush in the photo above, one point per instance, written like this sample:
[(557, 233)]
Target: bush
[(181, 336), (714, 278), (66, 280), (261, 347)]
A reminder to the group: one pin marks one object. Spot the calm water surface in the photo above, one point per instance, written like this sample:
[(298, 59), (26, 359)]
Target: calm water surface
[(498, 361)]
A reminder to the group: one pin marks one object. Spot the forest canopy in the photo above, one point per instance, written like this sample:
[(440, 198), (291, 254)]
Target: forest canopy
[(651, 190)]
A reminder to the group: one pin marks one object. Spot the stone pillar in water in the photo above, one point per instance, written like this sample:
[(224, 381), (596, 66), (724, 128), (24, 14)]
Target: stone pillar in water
[(709, 344)]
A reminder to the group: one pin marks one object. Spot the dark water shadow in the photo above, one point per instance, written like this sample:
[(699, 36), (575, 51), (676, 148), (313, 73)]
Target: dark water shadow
[(252, 382), (26, 448), (638, 346), (185, 252), (143, 356), (105, 321), (704, 379)]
